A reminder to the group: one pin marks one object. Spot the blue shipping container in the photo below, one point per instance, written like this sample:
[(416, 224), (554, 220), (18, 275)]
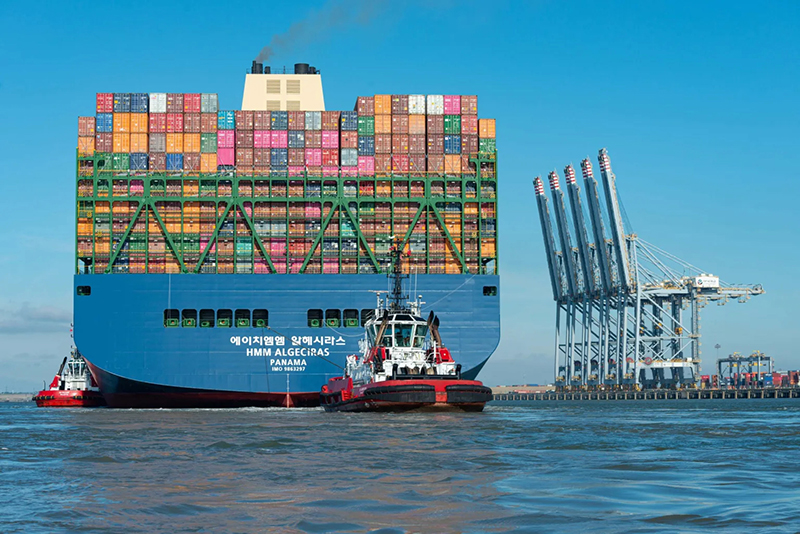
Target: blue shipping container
[(349, 157), (122, 102), (174, 162), (297, 139), (366, 146), (452, 144), (279, 120), (226, 120), (140, 102), (279, 157), (139, 162), (349, 121), (104, 123)]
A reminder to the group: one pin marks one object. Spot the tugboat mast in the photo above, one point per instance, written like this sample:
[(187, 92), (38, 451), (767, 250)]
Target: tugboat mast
[(397, 298)]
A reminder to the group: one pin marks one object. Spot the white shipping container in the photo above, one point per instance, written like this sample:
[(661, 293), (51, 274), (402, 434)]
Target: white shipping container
[(158, 141), (313, 120), (209, 103), (416, 104), (158, 102), (435, 104)]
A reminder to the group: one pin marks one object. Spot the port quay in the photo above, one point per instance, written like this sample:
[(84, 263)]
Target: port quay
[(504, 394)]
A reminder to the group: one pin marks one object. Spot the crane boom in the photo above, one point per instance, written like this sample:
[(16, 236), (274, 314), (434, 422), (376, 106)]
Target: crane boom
[(563, 232), (598, 229), (587, 266), (549, 240), (617, 231)]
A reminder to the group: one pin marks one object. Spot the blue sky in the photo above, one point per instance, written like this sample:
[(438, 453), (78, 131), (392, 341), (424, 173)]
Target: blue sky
[(696, 102)]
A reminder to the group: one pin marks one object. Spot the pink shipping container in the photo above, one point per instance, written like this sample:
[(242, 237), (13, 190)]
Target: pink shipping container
[(104, 142), (452, 104), (244, 120), (313, 138), (366, 164), (174, 102), (330, 157), (328, 170), (279, 138), (158, 122), (261, 139), (105, 102), (174, 122), (226, 139), (208, 122), (244, 138), (86, 126), (296, 170), (469, 125), (226, 156), (244, 157), (313, 157), (330, 139), (350, 171), (261, 157), (469, 105), (261, 120), (435, 124), (330, 266), (383, 144), (191, 123), (349, 139), (399, 124), (191, 103)]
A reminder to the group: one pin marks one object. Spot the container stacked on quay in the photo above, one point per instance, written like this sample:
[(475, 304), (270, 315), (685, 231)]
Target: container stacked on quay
[(173, 193)]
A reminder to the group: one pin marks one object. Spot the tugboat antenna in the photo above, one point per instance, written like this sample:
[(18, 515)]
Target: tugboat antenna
[(397, 297)]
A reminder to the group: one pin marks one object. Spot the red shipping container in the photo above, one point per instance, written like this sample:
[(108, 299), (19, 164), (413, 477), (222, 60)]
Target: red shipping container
[(399, 124), (261, 139), (330, 157), (352, 171), (174, 102), (469, 105), (435, 163), (435, 124), (226, 139), (244, 120), (313, 157), (191, 123), (366, 165), (244, 138), (86, 126), (261, 157), (297, 120), (365, 105), (416, 166), (191, 161), (226, 156), (104, 142), (469, 144), (435, 144), (279, 138), (399, 104), (174, 122), (157, 161), (400, 163), (330, 120), (348, 139), (191, 103), (330, 139), (383, 144), (158, 122), (383, 164), (313, 139), (105, 102), (261, 120), (244, 157), (452, 104), (400, 144), (297, 157), (417, 143), (469, 125), (208, 122)]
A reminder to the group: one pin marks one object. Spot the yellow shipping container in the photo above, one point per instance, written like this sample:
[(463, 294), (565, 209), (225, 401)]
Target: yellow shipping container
[(122, 122), (486, 128), (416, 124), (452, 163), (383, 105), (383, 124), (139, 123), (191, 142), (139, 142), (208, 163), (122, 142), (175, 143), (86, 146)]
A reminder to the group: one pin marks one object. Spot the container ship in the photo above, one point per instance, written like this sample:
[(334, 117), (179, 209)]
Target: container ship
[(230, 258)]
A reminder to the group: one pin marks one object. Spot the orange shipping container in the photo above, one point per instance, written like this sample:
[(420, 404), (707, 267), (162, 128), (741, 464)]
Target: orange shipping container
[(416, 124), (191, 142), (208, 163), (486, 128), (383, 124), (86, 146), (122, 122), (122, 142), (174, 143), (139, 142), (452, 164), (139, 122), (383, 105)]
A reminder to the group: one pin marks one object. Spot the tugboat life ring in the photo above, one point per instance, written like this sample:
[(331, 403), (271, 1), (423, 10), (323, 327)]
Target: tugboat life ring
[(648, 360)]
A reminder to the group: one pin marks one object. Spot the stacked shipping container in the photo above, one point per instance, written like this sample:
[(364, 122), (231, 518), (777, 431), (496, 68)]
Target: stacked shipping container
[(317, 192)]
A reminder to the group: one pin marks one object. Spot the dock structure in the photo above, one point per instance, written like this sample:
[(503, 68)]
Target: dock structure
[(652, 394)]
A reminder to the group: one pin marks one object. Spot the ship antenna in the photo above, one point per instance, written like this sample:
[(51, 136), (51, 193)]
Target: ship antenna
[(396, 275)]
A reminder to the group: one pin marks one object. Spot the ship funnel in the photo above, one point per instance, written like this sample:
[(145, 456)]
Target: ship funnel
[(257, 68), (267, 69), (301, 68), (553, 180)]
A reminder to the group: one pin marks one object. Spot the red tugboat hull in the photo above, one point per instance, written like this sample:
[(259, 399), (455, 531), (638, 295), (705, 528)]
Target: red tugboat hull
[(48, 398), (418, 394)]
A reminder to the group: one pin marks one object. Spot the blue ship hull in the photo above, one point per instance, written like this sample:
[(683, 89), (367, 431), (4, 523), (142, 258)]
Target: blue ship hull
[(139, 362)]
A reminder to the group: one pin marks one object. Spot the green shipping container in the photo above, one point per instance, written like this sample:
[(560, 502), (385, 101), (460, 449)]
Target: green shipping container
[(452, 124), (121, 162), (366, 125), (103, 161), (487, 146), (208, 143)]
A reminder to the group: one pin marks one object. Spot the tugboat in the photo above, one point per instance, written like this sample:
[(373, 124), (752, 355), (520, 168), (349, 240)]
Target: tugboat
[(72, 387), (403, 365)]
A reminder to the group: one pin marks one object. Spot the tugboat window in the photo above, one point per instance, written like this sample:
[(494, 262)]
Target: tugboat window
[(402, 335), (419, 335), (84, 291), (260, 318), (189, 318), (224, 318), (242, 318), (489, 291), (315, 318), (171, 318), (206, 318)]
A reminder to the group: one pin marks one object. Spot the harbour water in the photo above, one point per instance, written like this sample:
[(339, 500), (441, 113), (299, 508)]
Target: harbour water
[(658, 466)]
